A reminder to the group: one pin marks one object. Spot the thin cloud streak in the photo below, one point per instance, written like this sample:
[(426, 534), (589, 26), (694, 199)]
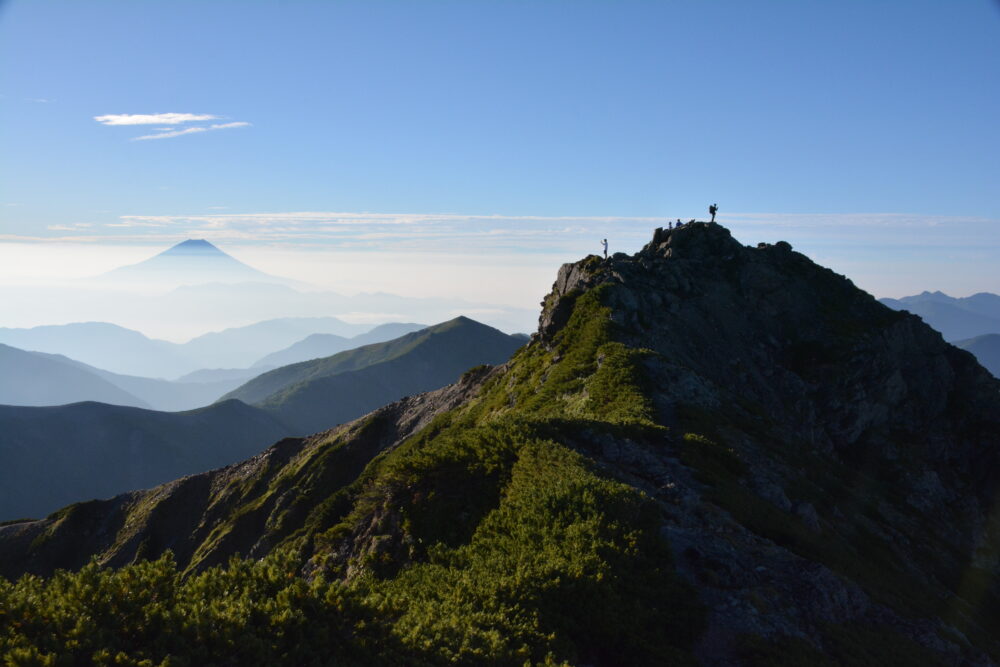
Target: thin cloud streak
[(191, 130), (152, 119), (172, 133)]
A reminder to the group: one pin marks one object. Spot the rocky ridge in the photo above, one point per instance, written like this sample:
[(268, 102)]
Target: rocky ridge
[(823, 468)]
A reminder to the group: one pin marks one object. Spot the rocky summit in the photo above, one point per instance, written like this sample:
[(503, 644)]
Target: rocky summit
[(708, 454)]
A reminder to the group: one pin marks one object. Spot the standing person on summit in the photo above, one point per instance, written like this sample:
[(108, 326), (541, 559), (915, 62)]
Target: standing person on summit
[(712, 210), (604, 242)]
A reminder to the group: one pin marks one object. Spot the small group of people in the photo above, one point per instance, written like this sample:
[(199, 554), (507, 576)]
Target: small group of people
[(712, 210)]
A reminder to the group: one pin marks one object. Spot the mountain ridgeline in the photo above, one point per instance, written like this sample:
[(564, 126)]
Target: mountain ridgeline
[(36, 378), (324, 345), (57, 455), (128, 352), (708, 453), (39, 378), (314, 395), (956, 318)]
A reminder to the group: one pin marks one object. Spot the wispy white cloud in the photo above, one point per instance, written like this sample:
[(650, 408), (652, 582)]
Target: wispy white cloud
[(226, 126), (153, 118), (75, 227), (168, 123), (172, 133), (190, 130)]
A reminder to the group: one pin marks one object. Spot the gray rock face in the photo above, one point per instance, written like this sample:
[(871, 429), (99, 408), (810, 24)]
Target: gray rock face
[(865, 437)]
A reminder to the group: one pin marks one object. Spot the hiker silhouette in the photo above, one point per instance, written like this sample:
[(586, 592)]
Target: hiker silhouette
[(604, 242), (712, 210)]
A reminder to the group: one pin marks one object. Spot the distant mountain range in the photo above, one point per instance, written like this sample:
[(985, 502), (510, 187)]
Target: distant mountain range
[(323, 345), (103, 345), (35, 378), (51, 456), (55, 455), (39, 378), (121, 350), (315, 395), (194, 286), (957, 318)]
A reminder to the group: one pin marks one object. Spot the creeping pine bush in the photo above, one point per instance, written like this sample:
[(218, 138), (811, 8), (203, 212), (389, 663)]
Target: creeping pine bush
[(567, 566), (145, 614), (520, 551)]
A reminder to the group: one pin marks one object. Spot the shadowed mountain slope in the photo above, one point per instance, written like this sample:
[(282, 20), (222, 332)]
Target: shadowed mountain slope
[(709, 453), (55, 455)]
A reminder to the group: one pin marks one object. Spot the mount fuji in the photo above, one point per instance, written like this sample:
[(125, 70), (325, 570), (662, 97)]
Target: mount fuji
[(191, 262)]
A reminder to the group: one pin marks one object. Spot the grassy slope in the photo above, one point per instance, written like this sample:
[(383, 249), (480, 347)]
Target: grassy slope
[(422, 364), (522, 551), (262, 387)]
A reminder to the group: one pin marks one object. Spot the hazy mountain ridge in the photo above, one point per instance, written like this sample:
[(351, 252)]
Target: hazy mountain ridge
[(36, 378), (956, 318), (987, 351), (126, 352), (100, 344), (39, 379), (315, 346), (708, 453)]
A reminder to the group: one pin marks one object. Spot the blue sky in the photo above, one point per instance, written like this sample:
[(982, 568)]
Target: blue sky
[(561, 120)]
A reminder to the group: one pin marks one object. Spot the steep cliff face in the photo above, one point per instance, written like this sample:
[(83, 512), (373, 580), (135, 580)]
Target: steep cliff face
[(732, 447), (855, 452)]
